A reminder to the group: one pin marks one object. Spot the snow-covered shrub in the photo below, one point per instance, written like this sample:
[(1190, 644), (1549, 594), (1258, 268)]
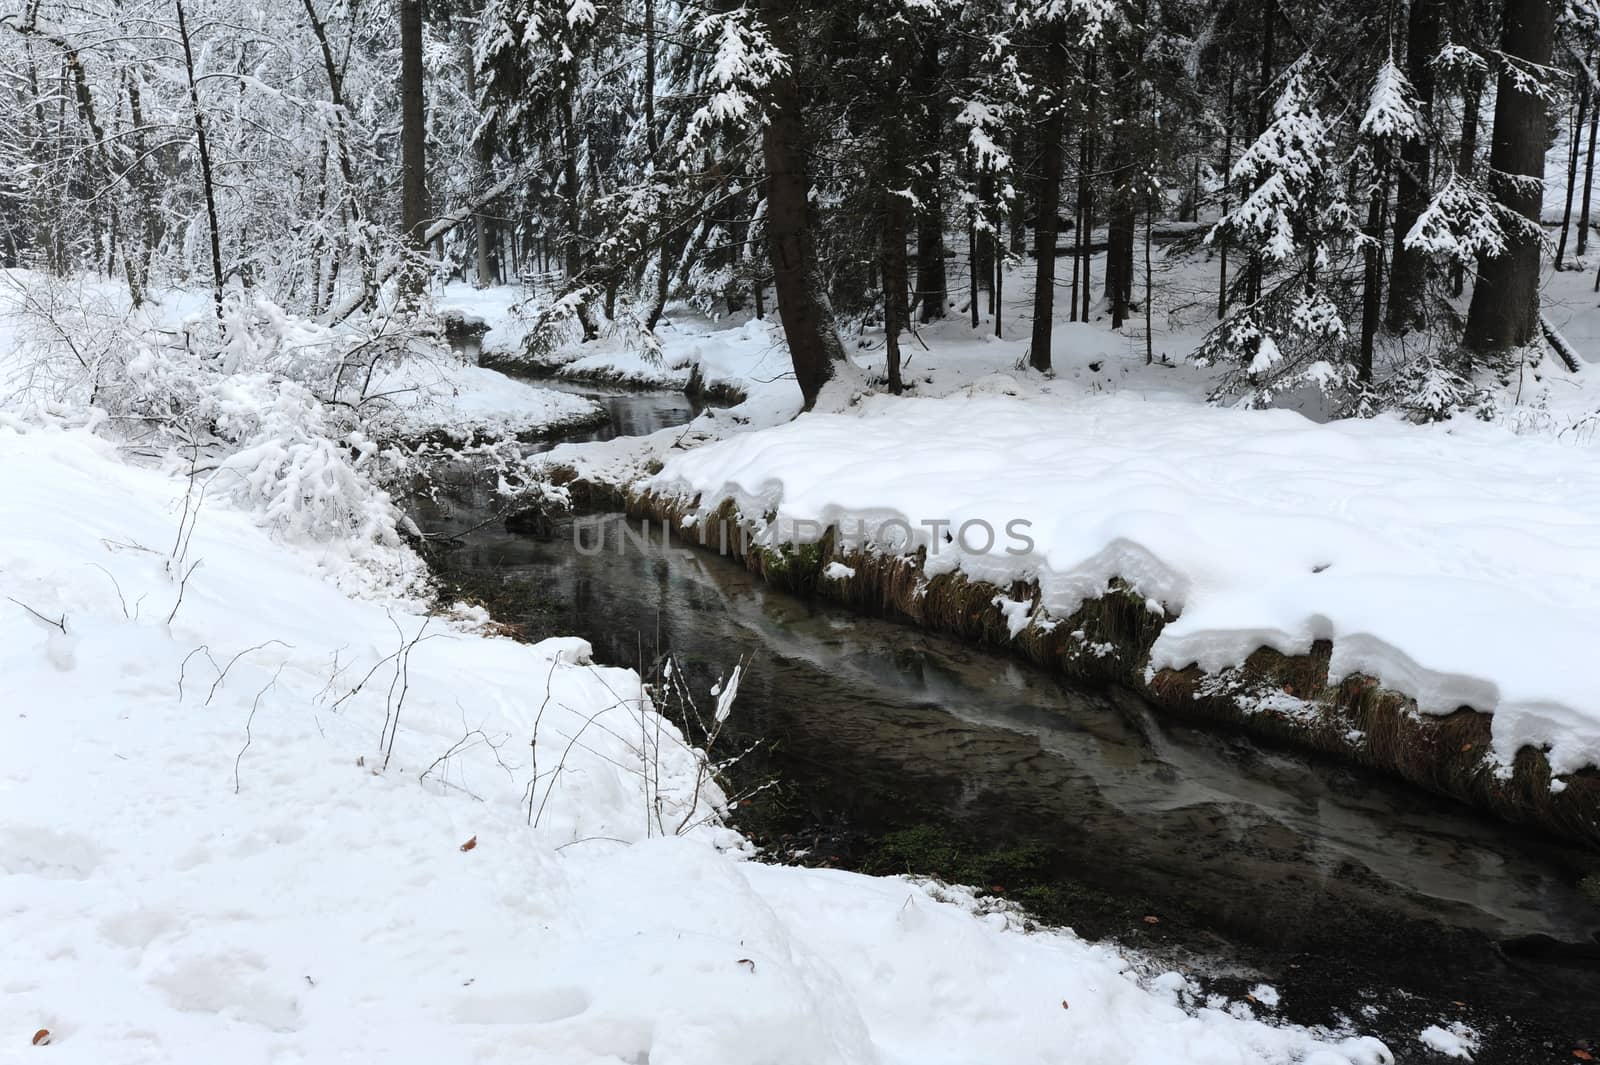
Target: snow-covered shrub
[(251, 407)]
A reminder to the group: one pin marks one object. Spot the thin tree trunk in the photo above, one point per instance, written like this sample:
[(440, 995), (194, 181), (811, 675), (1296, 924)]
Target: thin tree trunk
[(1466, 161), (999, 279), (973, 254), (204, 150), (1047, 204), (896, 310), (1572, 169), (932, 286), (1149, 290), (1372, 283), (1504, 313), (1588, 173), (1269, 25), (1077, 220), (653, 141)]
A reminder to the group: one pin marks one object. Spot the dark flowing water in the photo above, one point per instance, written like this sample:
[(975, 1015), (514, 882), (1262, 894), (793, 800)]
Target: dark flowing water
[(897, 750)]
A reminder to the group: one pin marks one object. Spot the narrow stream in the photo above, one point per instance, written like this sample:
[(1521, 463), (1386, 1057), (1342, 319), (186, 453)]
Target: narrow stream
[(899, 751)]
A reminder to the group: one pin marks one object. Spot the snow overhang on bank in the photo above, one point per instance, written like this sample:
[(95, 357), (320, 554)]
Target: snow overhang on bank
[(1457, 564)]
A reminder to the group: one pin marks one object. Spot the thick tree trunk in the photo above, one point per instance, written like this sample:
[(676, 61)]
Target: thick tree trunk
[(1120, 228), (1047, 204), (1408, 269), (932, 287), (1505, 301), (413, 142), (803, 308)]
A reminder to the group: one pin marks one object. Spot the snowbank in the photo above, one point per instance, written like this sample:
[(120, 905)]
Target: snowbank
[(446, 396), (1456, 564), (205, 859)]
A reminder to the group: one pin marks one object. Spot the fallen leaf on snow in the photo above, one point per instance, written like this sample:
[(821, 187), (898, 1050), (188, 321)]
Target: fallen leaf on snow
[(469, 844), (41, 1038)]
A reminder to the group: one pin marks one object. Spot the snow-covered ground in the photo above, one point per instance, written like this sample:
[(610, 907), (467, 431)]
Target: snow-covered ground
[(208, 851), (445, 395), (247, 816)]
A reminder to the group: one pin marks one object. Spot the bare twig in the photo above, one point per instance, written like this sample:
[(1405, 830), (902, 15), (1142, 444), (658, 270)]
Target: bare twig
[(60, 624), (222, 675), (255, 705)]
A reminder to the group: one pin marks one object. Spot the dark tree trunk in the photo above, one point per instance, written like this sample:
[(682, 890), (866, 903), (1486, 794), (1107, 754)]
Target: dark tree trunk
[(207, 175), (1572, 169), (896, 307), (803, 308), (1408, 268), (984, 253), (1120, 228), (932, 288), (653, 142), (1149, 287), (892, 246), (1588, 174), (1505, 301), (999, 282), (1078, 226), (1466, 161), (1227, 184), (413, 140), (1047, 204)]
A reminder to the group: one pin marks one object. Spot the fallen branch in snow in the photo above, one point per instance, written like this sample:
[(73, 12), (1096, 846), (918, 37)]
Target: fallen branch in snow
[(1559, 345)]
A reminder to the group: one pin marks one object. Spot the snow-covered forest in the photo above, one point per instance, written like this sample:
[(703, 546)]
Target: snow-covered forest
[(747, 532)]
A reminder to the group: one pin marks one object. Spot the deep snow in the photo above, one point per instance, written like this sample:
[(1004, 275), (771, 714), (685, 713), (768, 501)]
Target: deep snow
[(202, 857)]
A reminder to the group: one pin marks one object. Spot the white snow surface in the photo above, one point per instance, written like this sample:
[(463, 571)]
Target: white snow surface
[(447, 395), (204, 859), (1456, 1041), (1456, 563)]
